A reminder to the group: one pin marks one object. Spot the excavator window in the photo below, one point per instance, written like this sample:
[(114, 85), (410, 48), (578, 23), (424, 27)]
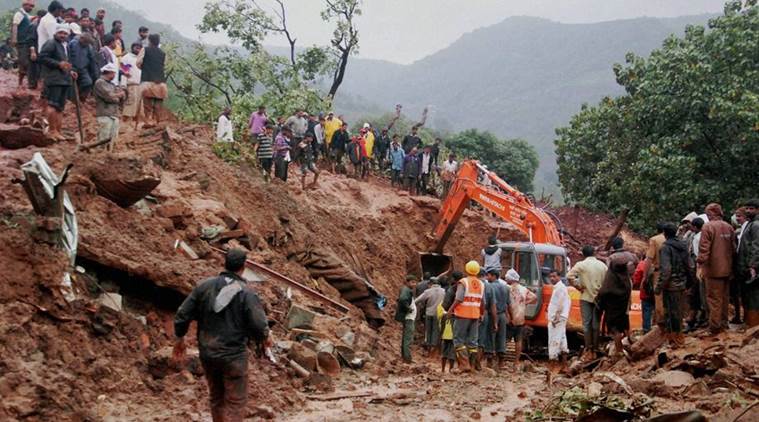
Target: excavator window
[(550, 263), (528, 271), (507, 260)]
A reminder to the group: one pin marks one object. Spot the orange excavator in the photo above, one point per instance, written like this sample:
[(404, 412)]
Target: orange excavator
[(533, 259)]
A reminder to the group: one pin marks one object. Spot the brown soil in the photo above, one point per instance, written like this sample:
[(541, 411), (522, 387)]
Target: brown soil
[(82, 361), (56, 365), (583, 227)]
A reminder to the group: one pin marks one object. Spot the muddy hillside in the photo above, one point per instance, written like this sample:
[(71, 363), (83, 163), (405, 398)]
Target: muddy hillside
[(99, 352)]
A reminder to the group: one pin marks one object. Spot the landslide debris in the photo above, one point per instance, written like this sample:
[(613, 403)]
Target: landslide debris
[(147, 216)]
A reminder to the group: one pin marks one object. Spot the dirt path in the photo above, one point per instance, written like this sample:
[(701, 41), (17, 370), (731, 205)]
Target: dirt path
[(423, 393)]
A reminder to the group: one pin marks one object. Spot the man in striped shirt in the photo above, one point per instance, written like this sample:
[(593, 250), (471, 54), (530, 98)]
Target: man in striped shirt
[(265, 151)]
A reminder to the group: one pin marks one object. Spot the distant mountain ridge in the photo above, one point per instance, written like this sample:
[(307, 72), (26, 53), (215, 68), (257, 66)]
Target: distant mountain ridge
[(523, 77)]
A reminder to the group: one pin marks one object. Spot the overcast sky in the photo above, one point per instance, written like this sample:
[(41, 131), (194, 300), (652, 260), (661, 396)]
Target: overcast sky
[(407, 30)]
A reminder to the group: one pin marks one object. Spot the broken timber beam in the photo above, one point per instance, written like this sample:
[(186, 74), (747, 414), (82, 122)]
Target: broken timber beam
[(305, 289), (620, 223)]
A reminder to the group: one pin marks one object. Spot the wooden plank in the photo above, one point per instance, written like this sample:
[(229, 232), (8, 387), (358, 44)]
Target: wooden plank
[(340, 396), (305, 289)]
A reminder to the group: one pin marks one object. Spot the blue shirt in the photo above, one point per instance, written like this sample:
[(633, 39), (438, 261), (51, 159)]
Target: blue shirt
[(501, 294), (396, 156), (488, 295)]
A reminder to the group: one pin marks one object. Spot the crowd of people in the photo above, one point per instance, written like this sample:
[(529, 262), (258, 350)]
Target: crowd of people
[(697, 269), (687, 279), (76, 59), (469, 318), (315, 140)]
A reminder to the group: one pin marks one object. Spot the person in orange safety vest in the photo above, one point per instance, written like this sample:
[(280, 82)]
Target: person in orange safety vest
[(468, 309)]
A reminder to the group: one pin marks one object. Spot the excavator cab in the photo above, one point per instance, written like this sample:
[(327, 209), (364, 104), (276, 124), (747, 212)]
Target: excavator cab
[(533, 262)]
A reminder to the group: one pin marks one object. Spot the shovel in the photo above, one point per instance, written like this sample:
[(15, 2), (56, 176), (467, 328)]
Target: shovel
[(78, 112)]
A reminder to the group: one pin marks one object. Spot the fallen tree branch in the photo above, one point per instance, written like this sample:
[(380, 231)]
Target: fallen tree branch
[(618, 228), (746, 411)]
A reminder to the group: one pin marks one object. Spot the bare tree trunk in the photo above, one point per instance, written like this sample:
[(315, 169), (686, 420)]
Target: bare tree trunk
[(339, 72), (620, 223)]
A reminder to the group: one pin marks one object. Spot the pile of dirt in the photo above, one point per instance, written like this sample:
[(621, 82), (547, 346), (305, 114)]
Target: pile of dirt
[(584, 227), (90, 359)]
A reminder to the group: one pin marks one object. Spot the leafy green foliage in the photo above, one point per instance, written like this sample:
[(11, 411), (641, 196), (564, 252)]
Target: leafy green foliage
[(206, 80), (514, 160), (241, 20), (685, 134), (6, 18)]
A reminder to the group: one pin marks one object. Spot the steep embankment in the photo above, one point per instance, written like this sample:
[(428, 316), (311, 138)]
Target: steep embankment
[(81, 360)]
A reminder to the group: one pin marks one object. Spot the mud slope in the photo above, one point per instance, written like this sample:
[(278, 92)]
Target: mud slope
[(84, 361)]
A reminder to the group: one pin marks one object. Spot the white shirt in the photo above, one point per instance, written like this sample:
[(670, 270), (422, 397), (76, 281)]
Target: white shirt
[(19, 16), (560, 303), (426, 163), (115, 61), (46, 30), (319, 132), (135, 73), (740, 235), (450, 166), (411, 315), (696, 240), (224, 129)]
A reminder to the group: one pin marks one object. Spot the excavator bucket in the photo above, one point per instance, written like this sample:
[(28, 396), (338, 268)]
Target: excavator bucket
[(434, 263)]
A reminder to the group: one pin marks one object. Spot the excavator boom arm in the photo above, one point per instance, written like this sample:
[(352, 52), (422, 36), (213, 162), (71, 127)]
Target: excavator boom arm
[(501, 199)]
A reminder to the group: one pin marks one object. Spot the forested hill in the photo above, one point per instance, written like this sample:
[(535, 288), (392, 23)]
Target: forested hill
[(523, 77)]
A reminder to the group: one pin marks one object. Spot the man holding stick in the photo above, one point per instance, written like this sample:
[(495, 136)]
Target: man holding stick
[(107, 99)]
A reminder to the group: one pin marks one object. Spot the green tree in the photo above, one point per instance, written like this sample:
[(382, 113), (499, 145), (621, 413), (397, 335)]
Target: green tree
[(344, 37), (514, 160), (206, 81), (685, 133), (247, 22), (6, 18)]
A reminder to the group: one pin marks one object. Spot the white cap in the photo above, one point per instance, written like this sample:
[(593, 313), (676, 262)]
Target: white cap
[(63, 27), (110, 67), (367, 126), (512, 275), (690, 217), (75, 29)]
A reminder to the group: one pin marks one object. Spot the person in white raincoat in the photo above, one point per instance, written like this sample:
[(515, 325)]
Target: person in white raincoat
[(558, 314)]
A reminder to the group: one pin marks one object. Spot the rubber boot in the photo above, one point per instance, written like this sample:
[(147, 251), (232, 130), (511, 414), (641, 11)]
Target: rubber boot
[(475, 359), (493, 362), (463, 361)]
